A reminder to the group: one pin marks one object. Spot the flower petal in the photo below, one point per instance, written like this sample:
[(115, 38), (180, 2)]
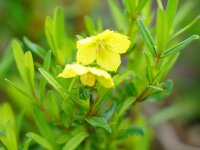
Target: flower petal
[(72, 70), (108, 60), (88, 79), (117, 42), (87, 52), (105, 82), (102, 76)]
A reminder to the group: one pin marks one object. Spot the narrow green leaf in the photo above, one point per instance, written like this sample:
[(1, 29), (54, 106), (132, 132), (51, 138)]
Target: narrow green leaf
[(75, 141), (19, 89), (160, 5), (125, 133), (170, 13), (99, 26), (29, 66), (118, 79), (185, 28), (40, 140), (119, 18), (53, 105), (26, 144), (89, 25), (149, 72), (6, 61), (59, 26), (35, 48), (11, 135), (125, 106), (155, 87), (168, 64), (47, 61), (46, 66), (161, 30), (98, 122), (148, 39), (7, 115), (19, 58), (130, 88), (180, 46), (52, 81), (43, 126), (142, 4), (49, 32), (130, 6), (161, 93), (5, 141)]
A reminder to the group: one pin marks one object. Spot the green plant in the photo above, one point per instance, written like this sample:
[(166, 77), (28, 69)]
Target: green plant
[(65, 114)]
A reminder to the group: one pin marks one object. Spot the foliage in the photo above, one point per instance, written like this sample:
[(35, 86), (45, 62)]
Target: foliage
[(68, 114)]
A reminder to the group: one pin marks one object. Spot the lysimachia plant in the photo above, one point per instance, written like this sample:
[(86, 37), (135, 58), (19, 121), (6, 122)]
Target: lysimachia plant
[(85, 93)]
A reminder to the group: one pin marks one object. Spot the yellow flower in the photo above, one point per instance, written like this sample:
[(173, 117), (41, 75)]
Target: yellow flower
[(88, 75), (104, 48)]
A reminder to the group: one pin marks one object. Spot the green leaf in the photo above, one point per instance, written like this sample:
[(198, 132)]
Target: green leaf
[(98, 122), (6, 62), (148, 39), (89, 25), (29, 66), (160, 5), (43, 126), (184, 28), (118, 79), (149, 73), (161, 93), (19, 58), (5, 141), (161, 30), (59, 26), (35, 48), (11, 135), (26, 144), (6, 115), (125, 133), (180, 46), (40, 140), (46, 66), (125, 106), (99, 26), (170, 13), (141, 4), (119, 18), (52, 81), (157, 88), (53, 105), (68, 107), (22, 91), (75, 141), (49, 32), (130, 6), (130, 88), (168, 64)]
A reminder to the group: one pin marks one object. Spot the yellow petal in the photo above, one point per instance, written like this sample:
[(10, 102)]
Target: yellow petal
[(106, 82), (72, 70), (87, 51), (108, 60), (117, 43), (102, 76), (88, 79)]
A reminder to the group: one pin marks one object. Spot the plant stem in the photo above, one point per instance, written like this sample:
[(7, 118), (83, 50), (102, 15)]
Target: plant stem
[(90, 111)]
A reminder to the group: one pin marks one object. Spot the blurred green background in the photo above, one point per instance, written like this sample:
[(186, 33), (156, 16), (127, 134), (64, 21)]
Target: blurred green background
[(20, 18)]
